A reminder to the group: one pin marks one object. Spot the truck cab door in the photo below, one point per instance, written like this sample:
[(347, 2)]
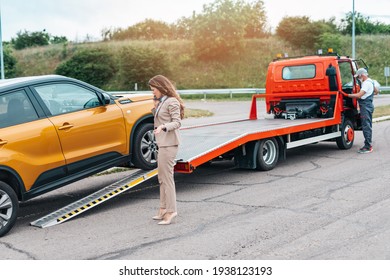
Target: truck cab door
[(349, 83)]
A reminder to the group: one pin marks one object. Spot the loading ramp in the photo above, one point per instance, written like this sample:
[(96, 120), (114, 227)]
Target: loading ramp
[(76, 208)]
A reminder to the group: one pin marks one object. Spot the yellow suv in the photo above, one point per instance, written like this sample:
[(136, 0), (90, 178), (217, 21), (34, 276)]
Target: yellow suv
[(56, 130)]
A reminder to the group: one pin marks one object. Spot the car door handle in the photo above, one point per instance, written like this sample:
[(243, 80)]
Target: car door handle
[(65, 126), (3, 142)]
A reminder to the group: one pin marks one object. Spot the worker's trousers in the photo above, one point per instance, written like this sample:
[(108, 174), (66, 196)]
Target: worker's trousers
[(366, 111)]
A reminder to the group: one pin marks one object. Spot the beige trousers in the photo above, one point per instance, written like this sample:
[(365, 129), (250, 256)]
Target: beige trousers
[(165, 163)]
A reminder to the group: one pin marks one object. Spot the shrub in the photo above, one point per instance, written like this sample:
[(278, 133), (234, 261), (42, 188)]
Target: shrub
[(94, 66), (30, 39), (138, 65), (9, 63), (329, 40), (146, 30)]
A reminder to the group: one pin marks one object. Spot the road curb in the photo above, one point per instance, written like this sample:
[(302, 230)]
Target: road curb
[(381, 119)]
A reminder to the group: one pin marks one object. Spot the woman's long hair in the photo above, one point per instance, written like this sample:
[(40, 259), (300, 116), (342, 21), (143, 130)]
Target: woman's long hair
[(166, 87)]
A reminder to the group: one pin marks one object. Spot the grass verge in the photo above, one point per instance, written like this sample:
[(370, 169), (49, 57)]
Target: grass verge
[(381, 111)]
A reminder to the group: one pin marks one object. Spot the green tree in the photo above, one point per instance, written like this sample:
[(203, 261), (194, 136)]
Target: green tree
[(138, 65), (255, 19), (363, 25), (28, 39), (301, 32), (146, 30), (94, 66), (183, 29), (58, 40), (219, 30), (107, 33)]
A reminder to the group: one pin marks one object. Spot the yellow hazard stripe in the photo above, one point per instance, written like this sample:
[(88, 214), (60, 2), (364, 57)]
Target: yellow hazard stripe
[(135, 182), (100, 199), (153, 173)]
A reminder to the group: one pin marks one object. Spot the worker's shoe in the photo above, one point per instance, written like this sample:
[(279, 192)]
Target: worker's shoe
[(365, 150)]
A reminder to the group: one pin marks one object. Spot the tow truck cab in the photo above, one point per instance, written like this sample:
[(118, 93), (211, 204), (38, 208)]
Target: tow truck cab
[(297, 87)]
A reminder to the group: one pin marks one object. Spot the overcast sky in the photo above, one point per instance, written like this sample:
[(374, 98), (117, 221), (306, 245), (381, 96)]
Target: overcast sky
[(76, 19)]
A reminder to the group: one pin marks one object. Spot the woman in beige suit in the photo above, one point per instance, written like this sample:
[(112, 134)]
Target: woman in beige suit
[(168, 112)]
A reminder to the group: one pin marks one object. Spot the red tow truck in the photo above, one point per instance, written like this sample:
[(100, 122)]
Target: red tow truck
[(306, 101)]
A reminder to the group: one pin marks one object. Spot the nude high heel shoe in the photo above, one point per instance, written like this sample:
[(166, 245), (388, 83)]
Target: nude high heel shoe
[(168, 218), (160, 214)]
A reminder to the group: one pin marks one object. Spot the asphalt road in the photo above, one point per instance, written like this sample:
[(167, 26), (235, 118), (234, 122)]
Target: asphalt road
[(321, 203)]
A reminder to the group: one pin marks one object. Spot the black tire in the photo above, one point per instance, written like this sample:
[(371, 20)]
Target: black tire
[(345, 141), (9, 207), (268, 154), (145, 148)]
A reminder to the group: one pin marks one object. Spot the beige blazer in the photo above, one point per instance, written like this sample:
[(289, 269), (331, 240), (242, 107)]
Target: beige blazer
[(168, 114)]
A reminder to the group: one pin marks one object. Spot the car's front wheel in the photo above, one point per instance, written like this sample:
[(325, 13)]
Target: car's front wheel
[(9, 208), (145, 148)]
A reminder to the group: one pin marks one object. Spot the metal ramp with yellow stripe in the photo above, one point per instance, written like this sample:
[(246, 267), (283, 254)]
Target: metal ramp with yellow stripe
[(94, 199)]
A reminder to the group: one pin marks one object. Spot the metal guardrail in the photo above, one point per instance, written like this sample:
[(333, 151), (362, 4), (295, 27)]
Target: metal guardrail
[(229, 91), (384, 88), (204, 92)]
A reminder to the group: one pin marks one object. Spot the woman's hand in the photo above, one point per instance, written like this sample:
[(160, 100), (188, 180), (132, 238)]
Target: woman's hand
[(158, 129)]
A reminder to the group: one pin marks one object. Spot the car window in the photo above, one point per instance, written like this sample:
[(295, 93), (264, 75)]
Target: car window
[(16, 108), (63, 98)]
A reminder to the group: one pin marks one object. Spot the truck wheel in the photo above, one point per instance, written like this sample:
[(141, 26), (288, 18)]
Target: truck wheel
[(268, 154), (345, 141), (9, 208), (145, 147)]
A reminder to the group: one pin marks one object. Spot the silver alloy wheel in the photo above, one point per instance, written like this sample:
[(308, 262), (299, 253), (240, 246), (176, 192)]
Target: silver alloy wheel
[(149, 147), (269, 152), (6, 208)]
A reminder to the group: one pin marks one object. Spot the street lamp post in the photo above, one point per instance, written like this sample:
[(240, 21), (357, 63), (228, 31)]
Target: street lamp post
[(353, 29), (1, 50)]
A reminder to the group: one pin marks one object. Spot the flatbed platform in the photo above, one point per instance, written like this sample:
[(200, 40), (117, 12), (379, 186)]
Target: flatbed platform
[(202, 143)]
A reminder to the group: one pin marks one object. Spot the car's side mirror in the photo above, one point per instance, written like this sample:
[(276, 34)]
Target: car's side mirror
[(106, 99)]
